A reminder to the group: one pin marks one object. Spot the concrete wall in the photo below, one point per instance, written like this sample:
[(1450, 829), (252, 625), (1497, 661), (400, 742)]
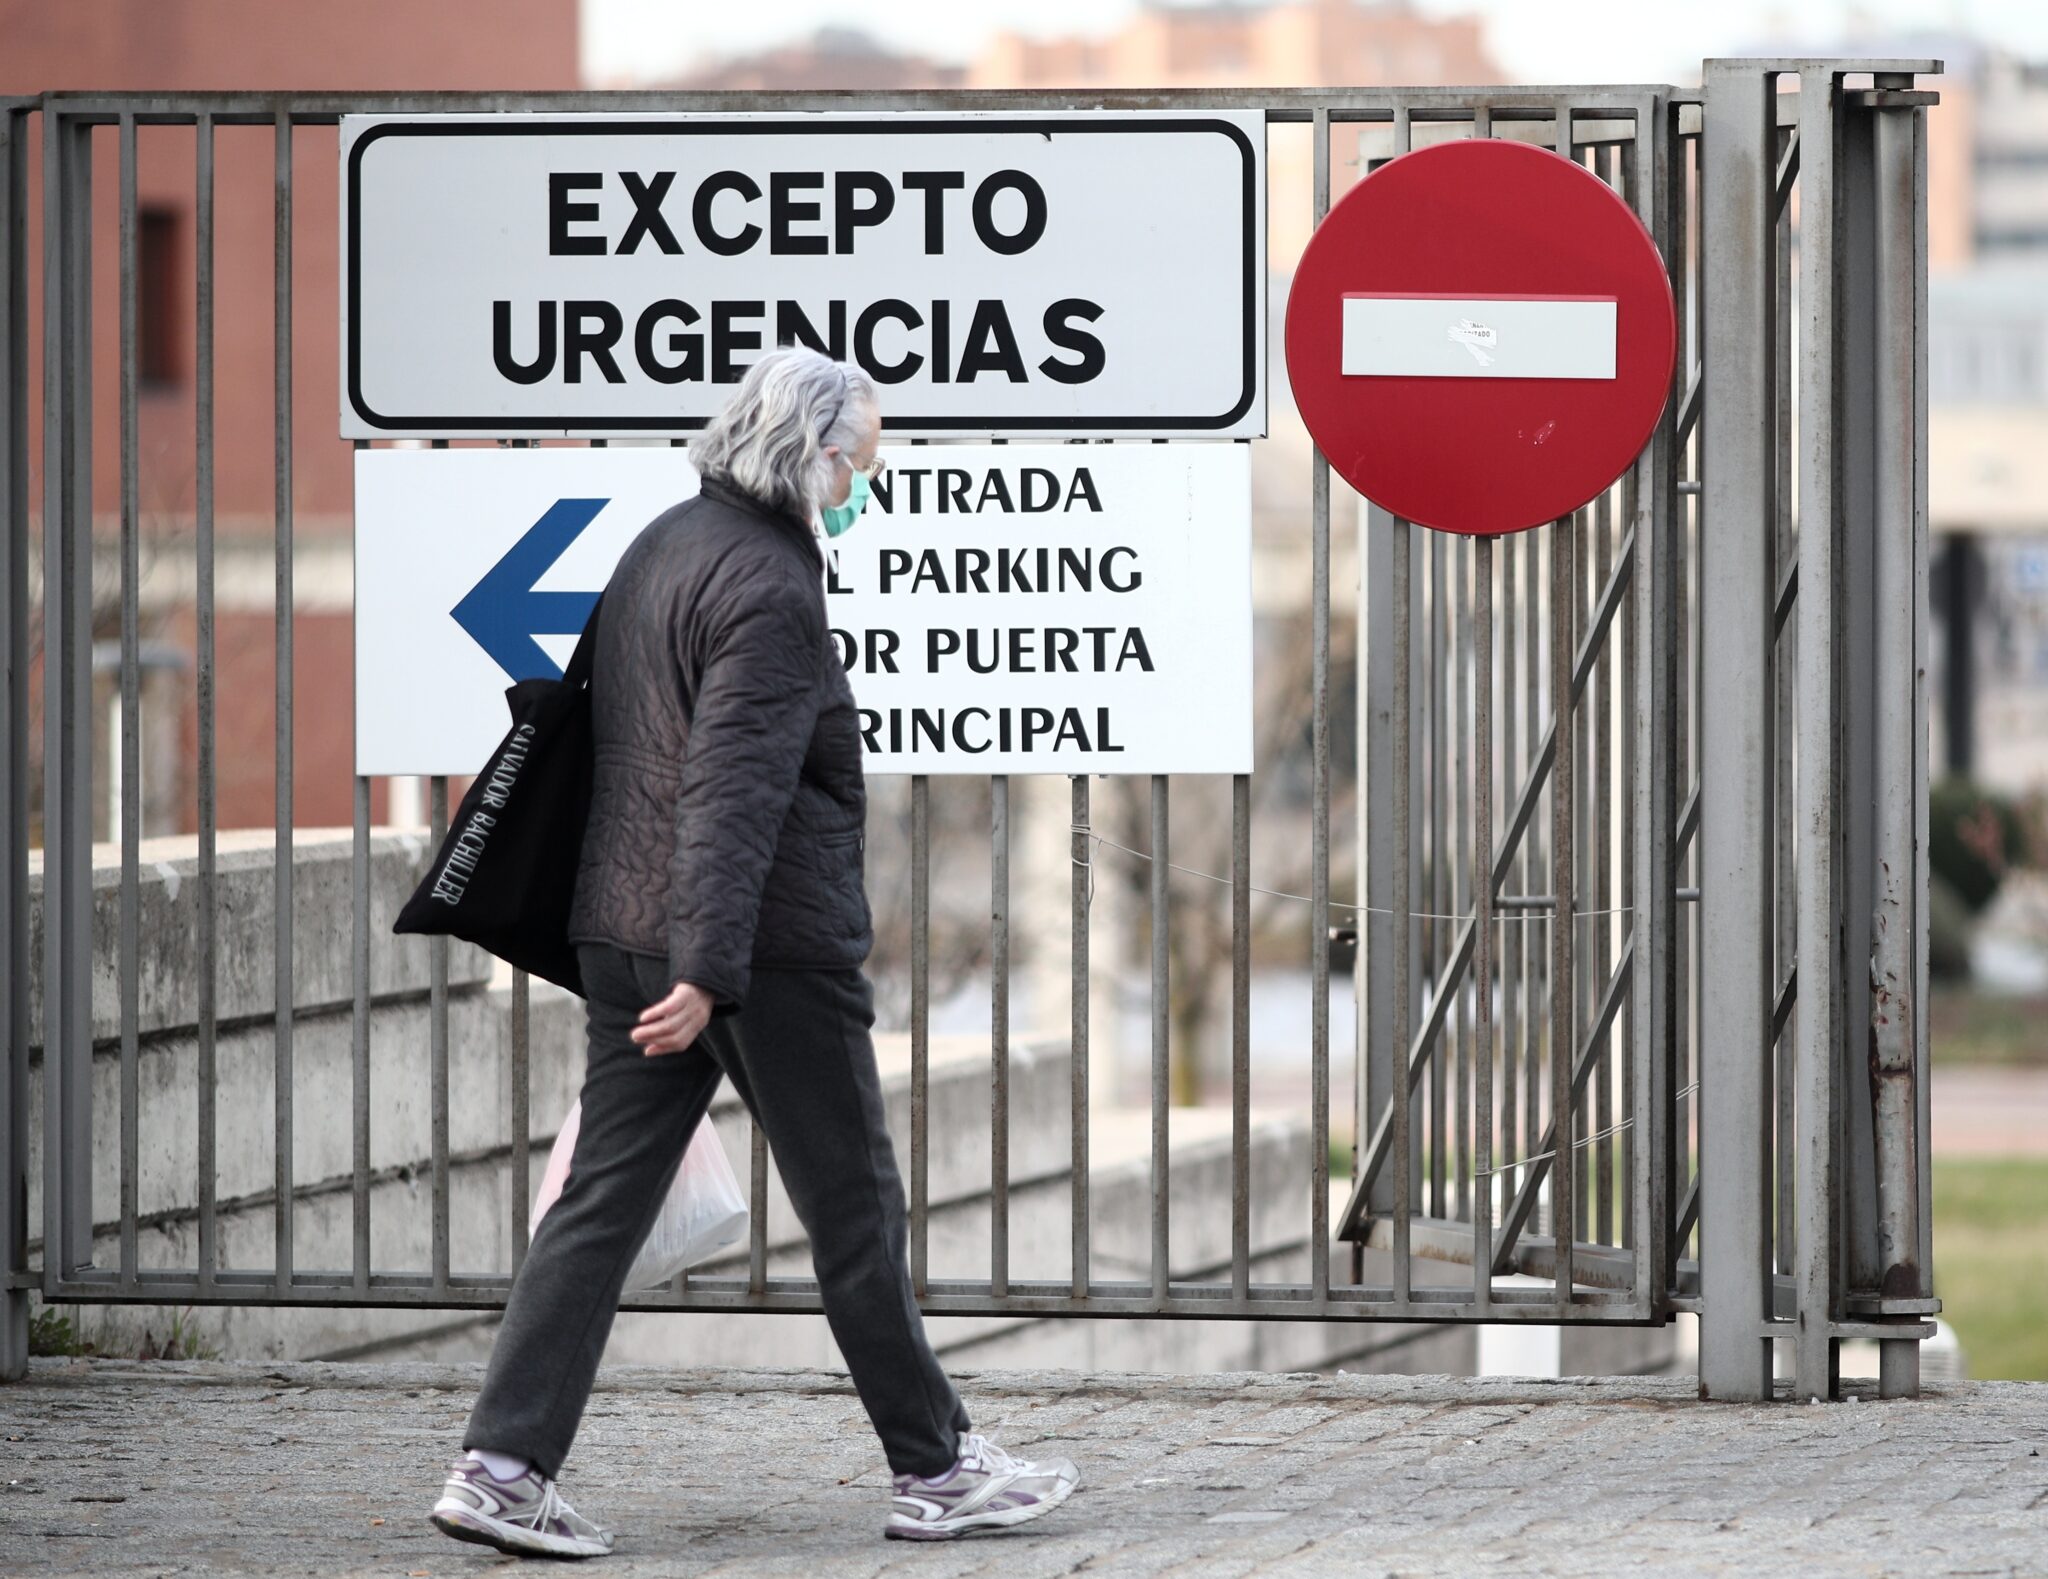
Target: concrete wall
[(482, 1207)]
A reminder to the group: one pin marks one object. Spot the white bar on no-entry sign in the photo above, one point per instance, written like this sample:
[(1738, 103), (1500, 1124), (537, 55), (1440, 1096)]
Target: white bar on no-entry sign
[(1473, 337)]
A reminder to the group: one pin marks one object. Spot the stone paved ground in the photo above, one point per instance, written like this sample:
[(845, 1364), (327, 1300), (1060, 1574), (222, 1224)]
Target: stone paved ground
[(115, 1469)]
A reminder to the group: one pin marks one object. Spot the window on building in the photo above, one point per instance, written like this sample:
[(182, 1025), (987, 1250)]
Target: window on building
[(158, 298)]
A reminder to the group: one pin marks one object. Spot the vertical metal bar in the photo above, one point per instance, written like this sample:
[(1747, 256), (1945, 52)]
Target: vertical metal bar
[(1896, 987), (1687, 211), (1565, 623), (205, 697), (281, 296), (1400, 887), (1857, 414), (1082, 877), (1482, 920), (1734, 837), (1627, 698), (129, 966), (1240, 1034), (1651, 784), (1439, 866), (1563, 597), (519, 1197), (1380, 931), (1783, 680), (1386, 931), (1162, 1019), (757, 1209), (1923, 1119), (1586, 837), (1535, 865), (1604, 806), (1822, 970), (920, 1026), (67, 699), (999, 1037), (1458, 1053), (1319, 837), (359, 1041), (14, 544), (1509, 945), (437, 1051)]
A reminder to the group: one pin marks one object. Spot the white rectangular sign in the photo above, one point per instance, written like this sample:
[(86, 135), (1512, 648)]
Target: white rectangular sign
[(999, 609), (1396, 336), (1074, 274)]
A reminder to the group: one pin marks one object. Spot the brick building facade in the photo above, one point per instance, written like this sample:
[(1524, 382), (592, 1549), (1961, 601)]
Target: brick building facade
[(183, 45)]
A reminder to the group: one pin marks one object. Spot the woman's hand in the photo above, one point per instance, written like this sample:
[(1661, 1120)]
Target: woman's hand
[(672, 1025)]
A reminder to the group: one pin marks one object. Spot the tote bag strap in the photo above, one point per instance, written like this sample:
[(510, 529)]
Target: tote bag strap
[(578, 672)]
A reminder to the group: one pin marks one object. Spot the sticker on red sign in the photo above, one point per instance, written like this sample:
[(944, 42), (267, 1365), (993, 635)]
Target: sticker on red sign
[(1480, 336)]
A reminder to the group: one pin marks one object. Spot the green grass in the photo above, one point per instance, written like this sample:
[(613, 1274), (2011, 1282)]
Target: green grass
[(1966, 1026), (1991, 1262)]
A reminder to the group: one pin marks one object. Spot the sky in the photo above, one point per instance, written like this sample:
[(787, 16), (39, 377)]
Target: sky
[(1567, 41)]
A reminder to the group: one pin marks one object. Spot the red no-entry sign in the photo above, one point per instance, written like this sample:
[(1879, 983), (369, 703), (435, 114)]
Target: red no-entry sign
[(1480, 336)]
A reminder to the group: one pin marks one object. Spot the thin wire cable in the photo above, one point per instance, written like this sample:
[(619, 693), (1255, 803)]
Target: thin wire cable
[(1335, 904), (1598, 1134)]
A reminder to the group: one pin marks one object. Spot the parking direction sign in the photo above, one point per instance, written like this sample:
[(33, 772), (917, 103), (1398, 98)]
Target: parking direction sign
[(1480, 336), (1073, 274), (998, 608)]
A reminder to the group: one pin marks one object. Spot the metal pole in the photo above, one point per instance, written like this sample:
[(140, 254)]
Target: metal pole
[(67, 700), (1400, 885), (1162, 1019), (1734, 838), (281, 291), (1240, 1035), (1380, 931), (204, 699), (14, 976), (920, 1034), (1081, 877), (1652, 730), (1319, 831), (1822, 969), (1482, 922), (1563, 998), (1898, 530), (999, 1037), (128, 967)]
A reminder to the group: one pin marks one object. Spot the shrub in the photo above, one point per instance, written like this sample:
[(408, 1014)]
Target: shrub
[(1948, 932), (1973, 838)]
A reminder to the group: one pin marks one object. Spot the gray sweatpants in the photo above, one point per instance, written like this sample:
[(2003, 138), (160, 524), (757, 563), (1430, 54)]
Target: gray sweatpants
[(799, 1054)]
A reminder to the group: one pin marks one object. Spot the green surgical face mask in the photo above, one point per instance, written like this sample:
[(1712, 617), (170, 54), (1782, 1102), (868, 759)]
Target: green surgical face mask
[(840, 517)]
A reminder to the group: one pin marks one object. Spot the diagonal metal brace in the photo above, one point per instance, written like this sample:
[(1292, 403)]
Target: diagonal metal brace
[(1351, 1224), (1516, 1218)]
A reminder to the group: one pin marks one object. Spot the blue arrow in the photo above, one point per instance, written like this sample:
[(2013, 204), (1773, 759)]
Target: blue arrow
[(503, 612)]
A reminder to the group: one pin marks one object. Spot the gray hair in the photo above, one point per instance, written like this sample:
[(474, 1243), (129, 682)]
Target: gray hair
[(769, 441)]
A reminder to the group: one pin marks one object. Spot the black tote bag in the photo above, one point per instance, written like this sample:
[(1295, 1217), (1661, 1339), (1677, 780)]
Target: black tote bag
[(504, 876)]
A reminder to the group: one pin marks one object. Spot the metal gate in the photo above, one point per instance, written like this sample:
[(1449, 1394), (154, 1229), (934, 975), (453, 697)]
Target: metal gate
[(1639, 793)]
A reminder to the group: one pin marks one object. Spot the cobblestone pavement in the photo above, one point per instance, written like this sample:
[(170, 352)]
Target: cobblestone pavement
[(118, 1468)]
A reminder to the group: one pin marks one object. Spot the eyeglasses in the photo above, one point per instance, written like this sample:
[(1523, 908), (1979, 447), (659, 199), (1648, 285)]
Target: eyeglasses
[(871, 470)]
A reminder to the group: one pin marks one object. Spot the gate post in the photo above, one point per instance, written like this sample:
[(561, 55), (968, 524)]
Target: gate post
[(1884, 1221), (67, 697), (1737, 522), (14, 975)]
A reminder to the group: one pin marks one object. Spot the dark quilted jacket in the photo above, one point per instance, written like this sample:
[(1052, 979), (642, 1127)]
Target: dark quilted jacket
[(728, 804)]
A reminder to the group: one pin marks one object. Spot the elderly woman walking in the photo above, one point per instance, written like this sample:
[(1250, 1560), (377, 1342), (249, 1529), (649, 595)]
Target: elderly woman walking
[(721, 927)]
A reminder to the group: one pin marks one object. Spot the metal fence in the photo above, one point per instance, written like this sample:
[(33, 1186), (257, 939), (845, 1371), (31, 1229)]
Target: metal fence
[(1639, 793)]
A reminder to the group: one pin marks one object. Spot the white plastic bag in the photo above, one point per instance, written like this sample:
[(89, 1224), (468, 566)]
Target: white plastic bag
[(703, 1214)]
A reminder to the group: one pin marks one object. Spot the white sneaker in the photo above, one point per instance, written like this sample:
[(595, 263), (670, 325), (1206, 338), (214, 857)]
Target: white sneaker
[(986, 1490), (526, 1516)]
